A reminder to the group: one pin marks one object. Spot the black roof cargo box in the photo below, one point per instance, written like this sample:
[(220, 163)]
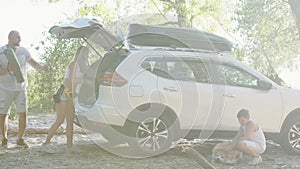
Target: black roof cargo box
[(145, 35)]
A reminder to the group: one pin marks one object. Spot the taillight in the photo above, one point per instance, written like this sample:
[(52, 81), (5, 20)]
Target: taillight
[(112, 79)]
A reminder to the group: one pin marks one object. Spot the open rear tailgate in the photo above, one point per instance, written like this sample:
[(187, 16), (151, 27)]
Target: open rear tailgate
[(85, 28)]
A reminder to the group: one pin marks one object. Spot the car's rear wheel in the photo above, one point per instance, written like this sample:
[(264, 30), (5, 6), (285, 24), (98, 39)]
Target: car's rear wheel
[(290, 136), (151, 136)]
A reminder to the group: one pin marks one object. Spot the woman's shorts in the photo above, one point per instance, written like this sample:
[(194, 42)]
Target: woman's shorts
[(64, 97)]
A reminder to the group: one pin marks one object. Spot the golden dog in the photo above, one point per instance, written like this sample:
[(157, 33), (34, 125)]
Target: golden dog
[(227, 157)]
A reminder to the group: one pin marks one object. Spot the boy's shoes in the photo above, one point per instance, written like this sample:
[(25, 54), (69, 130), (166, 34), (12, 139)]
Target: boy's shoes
[(4, 142), (22, 143), (255, 161)]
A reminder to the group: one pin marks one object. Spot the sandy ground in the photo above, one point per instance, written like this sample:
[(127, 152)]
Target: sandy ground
[(86, 154)]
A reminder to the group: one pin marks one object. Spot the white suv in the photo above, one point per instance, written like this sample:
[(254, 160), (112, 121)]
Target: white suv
[(161, 84)]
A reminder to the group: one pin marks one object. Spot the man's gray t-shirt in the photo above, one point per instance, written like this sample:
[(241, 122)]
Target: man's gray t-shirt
[(8, 81)]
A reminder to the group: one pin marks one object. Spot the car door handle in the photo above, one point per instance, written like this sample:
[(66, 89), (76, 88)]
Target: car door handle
[(171, 89), (229, 95)]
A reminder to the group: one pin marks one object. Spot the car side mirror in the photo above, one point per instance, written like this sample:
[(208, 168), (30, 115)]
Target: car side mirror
[(263, 85)]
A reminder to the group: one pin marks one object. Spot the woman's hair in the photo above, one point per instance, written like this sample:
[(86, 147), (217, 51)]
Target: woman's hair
[(80, 52), (243, 113), (80, 59)]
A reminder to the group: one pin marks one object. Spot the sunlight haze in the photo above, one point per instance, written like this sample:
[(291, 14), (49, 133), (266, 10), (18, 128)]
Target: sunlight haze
[(33, 17)]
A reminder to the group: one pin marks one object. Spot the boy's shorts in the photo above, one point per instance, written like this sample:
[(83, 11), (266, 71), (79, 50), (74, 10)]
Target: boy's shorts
[(7, 98), (256, 147)]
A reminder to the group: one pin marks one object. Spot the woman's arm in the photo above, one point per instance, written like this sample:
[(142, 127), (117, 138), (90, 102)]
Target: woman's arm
[(72, 76)]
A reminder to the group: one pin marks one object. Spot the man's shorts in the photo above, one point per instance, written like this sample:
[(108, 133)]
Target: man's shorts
[(7, 98), (256, 147)]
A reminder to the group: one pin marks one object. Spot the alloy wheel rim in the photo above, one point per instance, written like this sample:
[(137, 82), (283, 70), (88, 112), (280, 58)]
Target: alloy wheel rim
[(152, 134), (294, 136)]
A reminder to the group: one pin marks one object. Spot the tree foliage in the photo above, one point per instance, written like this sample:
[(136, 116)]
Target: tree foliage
[(265, 31), (295, 7), (203, 14), (41, 86), (269, 34)]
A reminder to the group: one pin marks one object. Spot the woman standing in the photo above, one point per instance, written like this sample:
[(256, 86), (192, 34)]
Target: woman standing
[(65, 108)]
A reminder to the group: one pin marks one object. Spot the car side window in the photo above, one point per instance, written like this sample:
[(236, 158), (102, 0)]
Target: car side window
[(233, 76), (180, 70), (177, 69), (200, 71), (156, 65)]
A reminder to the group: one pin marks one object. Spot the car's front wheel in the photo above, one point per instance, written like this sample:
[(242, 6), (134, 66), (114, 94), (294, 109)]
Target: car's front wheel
[(290, 136)]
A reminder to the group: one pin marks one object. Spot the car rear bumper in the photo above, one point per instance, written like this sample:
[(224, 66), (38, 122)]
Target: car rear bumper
[(99, 114)]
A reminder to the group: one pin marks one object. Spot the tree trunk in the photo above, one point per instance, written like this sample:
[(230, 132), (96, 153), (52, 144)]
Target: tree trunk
[(198, 158), (180, 7), (30, 131), (295, 6)]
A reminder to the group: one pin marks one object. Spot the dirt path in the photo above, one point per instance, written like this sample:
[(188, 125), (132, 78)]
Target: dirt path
[(87, 154)]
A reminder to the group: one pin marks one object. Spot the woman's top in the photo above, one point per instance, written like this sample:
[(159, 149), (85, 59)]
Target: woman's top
[(78, 73), (78, 77)]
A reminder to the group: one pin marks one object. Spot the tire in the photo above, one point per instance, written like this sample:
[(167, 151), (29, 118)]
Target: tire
[(151, 136), (290, 136)]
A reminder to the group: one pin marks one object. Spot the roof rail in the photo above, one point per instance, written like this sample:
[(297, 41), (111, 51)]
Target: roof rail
[(172, 48)]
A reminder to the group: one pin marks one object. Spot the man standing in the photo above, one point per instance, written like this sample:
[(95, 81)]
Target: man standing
[(13, 91)]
